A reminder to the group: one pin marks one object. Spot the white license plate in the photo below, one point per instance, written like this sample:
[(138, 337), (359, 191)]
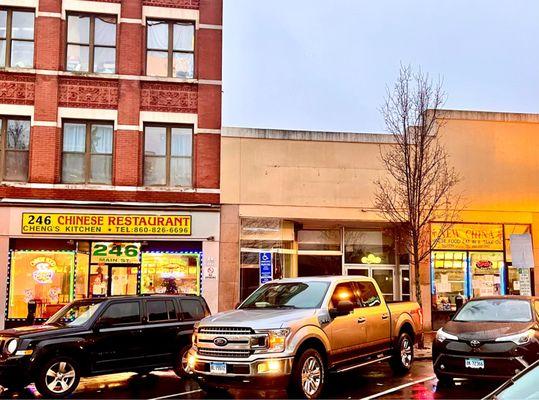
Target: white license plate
[(475, 363), (217, 368)]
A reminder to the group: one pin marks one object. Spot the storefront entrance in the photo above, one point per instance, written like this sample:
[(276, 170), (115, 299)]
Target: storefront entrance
[(474, 260), (54, 272), (113, 280), (384, 276)]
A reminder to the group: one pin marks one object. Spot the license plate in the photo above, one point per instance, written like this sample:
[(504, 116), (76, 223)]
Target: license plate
[(475, 363), (217, 368)]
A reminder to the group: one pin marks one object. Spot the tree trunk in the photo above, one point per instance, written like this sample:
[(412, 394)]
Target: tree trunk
[(417, 284)]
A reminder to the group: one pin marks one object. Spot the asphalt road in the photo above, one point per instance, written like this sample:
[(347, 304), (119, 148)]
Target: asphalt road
[(375, 381)]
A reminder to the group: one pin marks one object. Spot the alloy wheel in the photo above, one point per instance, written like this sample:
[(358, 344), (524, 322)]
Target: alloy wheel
[(406, 352), (60, 377), (311, 375), (184, 364)]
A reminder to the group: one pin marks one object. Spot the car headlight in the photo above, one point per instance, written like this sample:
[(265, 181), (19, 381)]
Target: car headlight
[(11, 346), (195, 326), (519, 338), (442, 336), (277, 339)]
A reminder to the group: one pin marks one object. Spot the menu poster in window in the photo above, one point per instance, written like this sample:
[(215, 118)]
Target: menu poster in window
[(525, 282)]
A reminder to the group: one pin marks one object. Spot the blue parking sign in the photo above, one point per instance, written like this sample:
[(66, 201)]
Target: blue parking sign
[(266, 267)]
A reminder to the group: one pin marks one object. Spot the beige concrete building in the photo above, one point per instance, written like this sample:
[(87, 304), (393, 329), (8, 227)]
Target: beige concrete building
[(303, 202)]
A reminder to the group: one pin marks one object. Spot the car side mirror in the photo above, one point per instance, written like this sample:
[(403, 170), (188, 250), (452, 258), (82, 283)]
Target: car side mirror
[(344, 307)]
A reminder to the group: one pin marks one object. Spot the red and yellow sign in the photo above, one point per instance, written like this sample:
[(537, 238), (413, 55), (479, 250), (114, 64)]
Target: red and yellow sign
[(468, 237), (106, 224)]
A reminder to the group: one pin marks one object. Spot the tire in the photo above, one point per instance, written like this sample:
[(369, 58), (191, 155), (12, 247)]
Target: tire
[(444, 381), (403, 355), (308, 377), (180, 363), (213, 391), (58, 377)]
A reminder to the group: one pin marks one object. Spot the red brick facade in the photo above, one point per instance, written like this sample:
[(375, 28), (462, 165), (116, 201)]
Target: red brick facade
[(49, 89)]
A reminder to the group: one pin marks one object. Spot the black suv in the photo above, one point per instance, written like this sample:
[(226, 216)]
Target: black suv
[(100, 336)]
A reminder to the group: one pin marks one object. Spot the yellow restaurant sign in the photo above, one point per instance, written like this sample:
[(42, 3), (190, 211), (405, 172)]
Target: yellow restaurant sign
[(469, 237), (106, 224)]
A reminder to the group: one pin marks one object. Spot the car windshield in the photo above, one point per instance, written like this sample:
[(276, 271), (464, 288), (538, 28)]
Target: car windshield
[(288, 295), (523, 388), (495, 310), (74, 314)]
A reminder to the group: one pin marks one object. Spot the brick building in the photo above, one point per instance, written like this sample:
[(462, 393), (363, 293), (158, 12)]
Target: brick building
[(110, 114)]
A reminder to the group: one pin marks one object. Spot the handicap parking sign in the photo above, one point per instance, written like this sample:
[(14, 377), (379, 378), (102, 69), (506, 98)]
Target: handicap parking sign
[(266, 267)]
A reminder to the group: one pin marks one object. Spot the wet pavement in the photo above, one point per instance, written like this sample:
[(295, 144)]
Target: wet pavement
[(375, 381)]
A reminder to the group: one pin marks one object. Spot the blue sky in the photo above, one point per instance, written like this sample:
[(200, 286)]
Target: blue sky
[(325, 65)]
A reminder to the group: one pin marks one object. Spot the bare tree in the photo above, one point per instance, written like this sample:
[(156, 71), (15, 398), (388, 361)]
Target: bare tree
[(420, 184)]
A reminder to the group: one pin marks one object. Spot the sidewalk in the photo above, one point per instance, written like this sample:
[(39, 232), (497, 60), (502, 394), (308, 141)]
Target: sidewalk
[(426, 353)]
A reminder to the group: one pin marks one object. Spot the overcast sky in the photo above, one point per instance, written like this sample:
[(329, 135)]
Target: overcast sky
[(324, 65)]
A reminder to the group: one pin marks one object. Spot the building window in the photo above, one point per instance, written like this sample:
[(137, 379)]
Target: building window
[(319, 252), (16, 38), (91, 44), (170, 273), (15, 144), (168, 156), (87, 153), (42, 276), (170, 49)]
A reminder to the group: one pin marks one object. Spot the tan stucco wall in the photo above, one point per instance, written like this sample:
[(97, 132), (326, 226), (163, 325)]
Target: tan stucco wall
[(496, 155), (298, 173)]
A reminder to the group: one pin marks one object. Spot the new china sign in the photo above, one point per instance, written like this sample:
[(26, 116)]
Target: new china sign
[(106, 224), (468, 237)]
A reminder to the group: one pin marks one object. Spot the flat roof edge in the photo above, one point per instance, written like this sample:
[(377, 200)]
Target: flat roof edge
[(488, 116), (321, 136)]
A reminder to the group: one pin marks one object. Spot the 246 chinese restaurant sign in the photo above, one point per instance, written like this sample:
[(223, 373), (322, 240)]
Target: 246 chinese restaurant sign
[(106, 224), (469, 237)]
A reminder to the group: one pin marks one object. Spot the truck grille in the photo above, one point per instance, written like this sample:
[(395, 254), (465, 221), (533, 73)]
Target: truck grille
[(219, 330), (224, 353)]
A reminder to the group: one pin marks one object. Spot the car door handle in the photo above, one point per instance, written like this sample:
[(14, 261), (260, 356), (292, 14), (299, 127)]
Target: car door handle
[(385, 316), (360, 320)]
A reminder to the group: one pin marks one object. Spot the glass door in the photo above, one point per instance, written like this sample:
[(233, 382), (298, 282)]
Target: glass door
[(123, 280), (384, 276), (486, 271)]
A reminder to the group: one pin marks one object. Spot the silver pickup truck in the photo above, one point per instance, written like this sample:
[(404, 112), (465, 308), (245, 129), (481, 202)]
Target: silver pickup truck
[(291, 333)]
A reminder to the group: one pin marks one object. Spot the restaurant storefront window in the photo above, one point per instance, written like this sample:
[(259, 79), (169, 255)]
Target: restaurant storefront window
[(472, 260), (43, 276), (78, 269), (170, 273)]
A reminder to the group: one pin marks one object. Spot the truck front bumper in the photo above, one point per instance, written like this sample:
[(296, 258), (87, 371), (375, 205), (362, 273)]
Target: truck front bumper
[(264, 372)]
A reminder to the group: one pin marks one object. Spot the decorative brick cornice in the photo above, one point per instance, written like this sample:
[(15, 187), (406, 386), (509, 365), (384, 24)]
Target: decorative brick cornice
[(169, 97), (88, 93), (191, 4), (17, 88)]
